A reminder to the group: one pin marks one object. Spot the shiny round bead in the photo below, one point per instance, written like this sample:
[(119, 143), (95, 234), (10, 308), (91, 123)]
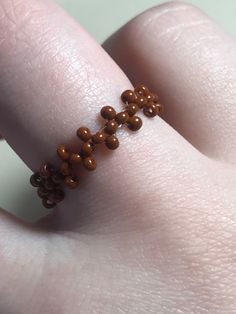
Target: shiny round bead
[(36, 180), (108, 112), (56, 196), (90, 163), (151, 110), (128, 96), (112, 142), (98, 138), (49, 185), (71, 182), (141, 90), (62, 152), (42, 192), (122, 117), (150, 98), (84, 134), (111, 127), (75, 158), (46, 170), (65, 168), (141, 101), (87, 149), (57, 178), (132, 109), (134, 123), (48, 204)]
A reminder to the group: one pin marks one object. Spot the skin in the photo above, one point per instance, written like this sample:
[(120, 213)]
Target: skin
[(153, 230)]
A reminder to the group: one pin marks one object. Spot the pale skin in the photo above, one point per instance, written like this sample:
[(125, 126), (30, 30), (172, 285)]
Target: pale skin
[(153, 230)]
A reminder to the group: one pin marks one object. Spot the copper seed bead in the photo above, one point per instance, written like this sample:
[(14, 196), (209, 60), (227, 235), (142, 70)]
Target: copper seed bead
[(62, 152), (46, 170), (155, 98), (56, 196), (75, 158), (98, 138), (57, 178), (71, 182), (108, 112), (42, 192), (84, 134), (90, 163), (141, 101), (87, 149), (65, 169), (134, 123), (112, 142), (141, 90), (49, 185), (122, 117), (36, 180), (48, 204), (128, 96), (150, 97), (132, 109), (111, 127), (151, 110)]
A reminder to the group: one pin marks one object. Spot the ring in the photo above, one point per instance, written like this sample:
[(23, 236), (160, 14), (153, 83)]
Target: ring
[(50, 180)]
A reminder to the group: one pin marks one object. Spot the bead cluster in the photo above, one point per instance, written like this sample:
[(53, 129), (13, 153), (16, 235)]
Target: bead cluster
[(50, 180)]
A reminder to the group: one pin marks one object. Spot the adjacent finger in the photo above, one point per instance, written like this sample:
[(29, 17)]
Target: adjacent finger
[(184, 55)]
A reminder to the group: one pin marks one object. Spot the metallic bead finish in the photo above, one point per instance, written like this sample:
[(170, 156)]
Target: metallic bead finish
[(84, 134), (90, 163), (112, 142), (134, 123), (108, 112)]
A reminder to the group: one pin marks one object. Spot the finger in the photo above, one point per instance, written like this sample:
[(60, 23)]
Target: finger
[(181, 53), (55, 78)]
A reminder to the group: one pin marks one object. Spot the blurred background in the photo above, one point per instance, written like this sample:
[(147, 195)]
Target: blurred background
[(100, 18)]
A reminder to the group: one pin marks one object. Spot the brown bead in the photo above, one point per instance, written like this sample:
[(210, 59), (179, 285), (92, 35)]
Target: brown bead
[(141, 101), (84, 134), (98, 138), (71, 182), (151, 110), (112, 142), (87, 149), (42, 192), (132, 109), (90, 163), (122, 117), (62, 152), (111, 127), (49, 185), (75, 158), (134, 123), (57, 178), (108, 112), (160, 107), (155, 98), (141, 90), (128, 96), (36, 180), (150, 97), (65, 169), (46, 170), (56, 196), (48, 204)]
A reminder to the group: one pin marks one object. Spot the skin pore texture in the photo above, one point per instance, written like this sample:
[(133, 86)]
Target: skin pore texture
[(153, 229)]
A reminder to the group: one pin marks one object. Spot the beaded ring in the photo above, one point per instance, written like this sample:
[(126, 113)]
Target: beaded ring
[(49, 180)]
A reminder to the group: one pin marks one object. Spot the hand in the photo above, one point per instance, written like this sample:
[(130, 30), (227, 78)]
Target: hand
[(153, 229)]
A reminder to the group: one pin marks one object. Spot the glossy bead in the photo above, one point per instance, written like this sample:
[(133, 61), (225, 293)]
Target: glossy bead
[(98, 138), (75, 158), (90, 163), (84, 134), (49, 185), (132, 109), (122, 117), (42, 192), (56, 196), (71, 182), (62, 152), (46, 170), (141, 101), (65, 169), (36, 180), (134, 123), (112, 142), (141, 90), (151, 110), (87, 149), (57, 178), (108, 112), (111, 127), (128, 96), (150, 97), (48, 204)]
